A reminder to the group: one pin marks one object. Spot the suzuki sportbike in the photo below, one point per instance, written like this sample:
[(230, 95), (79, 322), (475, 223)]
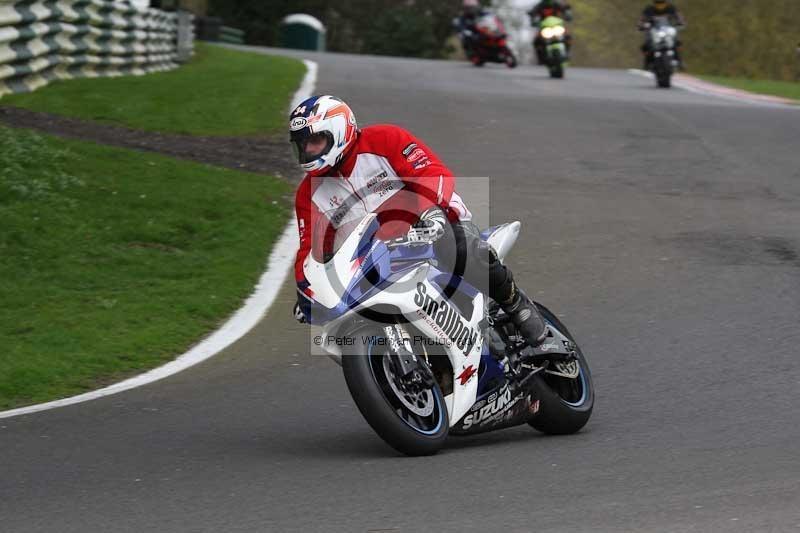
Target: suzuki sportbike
[(424, 359), (553, 36), (490, 43), (663, 37)]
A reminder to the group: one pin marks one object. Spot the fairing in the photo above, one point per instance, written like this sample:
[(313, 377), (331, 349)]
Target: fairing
[(365, 274)]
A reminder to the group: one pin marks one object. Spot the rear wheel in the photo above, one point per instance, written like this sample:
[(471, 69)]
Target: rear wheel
[(410, 418), (565, 402)]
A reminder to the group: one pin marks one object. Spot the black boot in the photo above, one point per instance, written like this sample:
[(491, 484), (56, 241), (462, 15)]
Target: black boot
[(525, 316), (480, 257)]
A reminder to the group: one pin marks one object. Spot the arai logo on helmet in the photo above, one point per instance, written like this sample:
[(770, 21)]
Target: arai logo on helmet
[(298, 123)]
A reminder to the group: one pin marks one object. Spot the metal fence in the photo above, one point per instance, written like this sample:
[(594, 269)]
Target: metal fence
[(231, 35), (46, 40)]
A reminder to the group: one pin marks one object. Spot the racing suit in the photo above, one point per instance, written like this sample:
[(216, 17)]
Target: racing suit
[(468, 31), (395, 175)]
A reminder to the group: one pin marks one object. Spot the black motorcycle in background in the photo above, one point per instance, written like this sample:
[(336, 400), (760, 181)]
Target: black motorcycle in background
[(662, 58)]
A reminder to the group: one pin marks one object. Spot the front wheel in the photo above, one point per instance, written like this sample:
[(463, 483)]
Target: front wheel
[(556, 65), (511, 60), (411, 419), (565, 403), (663, 72)]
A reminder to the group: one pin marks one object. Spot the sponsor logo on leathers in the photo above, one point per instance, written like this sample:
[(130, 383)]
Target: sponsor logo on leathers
[(416, 155), (408, 149)]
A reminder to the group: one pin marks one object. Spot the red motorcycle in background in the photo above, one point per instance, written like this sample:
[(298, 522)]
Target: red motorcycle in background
[(488, 43)]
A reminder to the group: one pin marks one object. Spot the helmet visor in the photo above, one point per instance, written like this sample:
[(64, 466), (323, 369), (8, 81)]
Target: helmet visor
[(311, 147)]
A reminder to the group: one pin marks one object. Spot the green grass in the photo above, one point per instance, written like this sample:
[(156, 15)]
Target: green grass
[(785, 89), (113, 261), (220, 92)]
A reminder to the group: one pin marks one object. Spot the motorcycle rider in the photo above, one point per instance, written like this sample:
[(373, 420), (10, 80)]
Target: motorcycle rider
[(542, 10), (664, 10), (385, 170), (465, 24)]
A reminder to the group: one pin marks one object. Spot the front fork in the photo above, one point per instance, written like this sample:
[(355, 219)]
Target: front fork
[(561, 47), (411, 368)]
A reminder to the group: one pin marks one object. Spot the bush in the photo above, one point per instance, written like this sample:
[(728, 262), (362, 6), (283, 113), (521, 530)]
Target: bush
[(402, 31)]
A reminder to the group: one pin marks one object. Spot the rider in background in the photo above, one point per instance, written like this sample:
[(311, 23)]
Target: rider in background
[(471, 12), (663, 10), (385, 170), (542, 10)]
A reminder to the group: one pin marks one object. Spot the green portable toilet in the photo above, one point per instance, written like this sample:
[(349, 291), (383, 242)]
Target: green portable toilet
[(302, 32)]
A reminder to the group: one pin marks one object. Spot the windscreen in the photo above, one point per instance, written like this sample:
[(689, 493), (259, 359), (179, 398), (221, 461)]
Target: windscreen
[(330, 232), (490, 23)]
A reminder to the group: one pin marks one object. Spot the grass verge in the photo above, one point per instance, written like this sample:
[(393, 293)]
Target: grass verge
[(220, 92), (113, 261), (784, 89)]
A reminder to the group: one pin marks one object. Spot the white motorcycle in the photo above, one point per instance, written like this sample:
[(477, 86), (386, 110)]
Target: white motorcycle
[(423, 359), (663, 37)]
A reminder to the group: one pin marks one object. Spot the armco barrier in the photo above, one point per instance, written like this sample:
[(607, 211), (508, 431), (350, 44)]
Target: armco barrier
[(42, 41), (231, 35)]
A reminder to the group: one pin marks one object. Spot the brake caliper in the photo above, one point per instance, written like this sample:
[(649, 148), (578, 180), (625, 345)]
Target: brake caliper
[(409, 367)]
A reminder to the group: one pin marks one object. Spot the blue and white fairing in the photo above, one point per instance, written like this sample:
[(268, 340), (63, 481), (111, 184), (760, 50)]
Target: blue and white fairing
[(364, 273)]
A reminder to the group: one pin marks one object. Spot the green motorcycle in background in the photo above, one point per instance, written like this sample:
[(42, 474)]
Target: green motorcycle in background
[(552, 43)]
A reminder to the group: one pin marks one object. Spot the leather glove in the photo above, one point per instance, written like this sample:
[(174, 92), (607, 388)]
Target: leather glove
[(429, 227)]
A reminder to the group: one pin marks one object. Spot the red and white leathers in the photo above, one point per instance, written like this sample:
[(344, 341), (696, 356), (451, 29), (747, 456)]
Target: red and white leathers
[(389, 172)]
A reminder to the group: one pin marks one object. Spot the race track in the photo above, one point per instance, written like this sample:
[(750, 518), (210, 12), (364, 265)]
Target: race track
[(663, 226)]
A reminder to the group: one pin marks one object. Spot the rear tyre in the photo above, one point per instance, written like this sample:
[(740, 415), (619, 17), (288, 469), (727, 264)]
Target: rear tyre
[(565, 405), (412, 421)]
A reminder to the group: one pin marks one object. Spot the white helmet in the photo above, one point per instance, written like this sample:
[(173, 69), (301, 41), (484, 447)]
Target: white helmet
[(327, 117)]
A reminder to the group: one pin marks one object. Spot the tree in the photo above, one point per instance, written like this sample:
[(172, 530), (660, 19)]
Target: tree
[(417, 28)]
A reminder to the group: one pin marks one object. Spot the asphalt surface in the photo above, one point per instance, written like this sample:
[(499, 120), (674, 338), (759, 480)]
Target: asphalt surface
[(663, 226)]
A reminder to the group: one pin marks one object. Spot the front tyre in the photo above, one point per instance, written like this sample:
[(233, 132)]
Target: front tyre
[(410, 419), (663, 73), (556, 65), (565, 404), (511, 59)]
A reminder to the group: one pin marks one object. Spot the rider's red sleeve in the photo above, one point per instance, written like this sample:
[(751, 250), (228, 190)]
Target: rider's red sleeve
[(423, 172), (307, 214)]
